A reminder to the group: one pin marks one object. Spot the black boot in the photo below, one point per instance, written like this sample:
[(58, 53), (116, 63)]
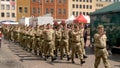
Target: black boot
[(76, 55), (55, 52), (82, 61), (35, 51), (40, 54), (45, 58), (30, 50), (73, 61), (61, 58), (68, 58), (84, 56), (53, 58)]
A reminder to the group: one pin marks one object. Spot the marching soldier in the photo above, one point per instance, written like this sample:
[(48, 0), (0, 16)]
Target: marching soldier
[(30, 38), (82, 39), (34, 30), (70, 36), (100, 47), (76, 45), (65, 42), (39, 45), (42, 40), (58, 35), (49, 42)]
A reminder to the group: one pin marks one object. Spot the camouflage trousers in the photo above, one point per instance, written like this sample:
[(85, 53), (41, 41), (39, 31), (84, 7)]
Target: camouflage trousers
[(76, 48), (101, 54), (49, 48), (64, 45)]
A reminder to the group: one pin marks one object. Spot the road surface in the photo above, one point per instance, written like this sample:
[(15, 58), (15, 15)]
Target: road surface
[(13, 56)]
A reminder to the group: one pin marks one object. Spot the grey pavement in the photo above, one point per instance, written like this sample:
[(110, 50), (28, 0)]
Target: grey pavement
[(13, 56)]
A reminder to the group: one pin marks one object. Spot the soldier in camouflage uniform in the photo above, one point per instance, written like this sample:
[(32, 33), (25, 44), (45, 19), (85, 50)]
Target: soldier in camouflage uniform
[(82, 39), (49, 42), (65, 43), (70, 35), (39, 45), (76, 45), (100, 47), (29, 39), (58, 35)]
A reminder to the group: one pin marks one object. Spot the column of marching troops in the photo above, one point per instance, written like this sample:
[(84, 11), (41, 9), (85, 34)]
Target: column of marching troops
[(62, 41), (46, 41)]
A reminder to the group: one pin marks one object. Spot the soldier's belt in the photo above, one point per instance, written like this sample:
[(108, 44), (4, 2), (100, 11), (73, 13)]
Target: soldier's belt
[(99, 48), (76, 41), (57, 38), (42, 38), (48, 40), (81, 37), (64, 38), (37, 36), (26, 35), (31, 36)]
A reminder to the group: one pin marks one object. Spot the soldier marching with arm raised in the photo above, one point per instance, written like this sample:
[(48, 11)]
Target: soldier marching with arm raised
[(65, 42), (49, 42), (76, 45), (100, 47), (58, 35), (82, 39)]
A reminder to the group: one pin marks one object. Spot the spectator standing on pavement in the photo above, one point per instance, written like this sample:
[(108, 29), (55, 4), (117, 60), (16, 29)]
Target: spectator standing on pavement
[(100, 47)]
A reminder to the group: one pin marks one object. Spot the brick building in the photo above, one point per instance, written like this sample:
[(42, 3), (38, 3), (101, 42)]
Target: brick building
[(57, 8), (23, 9)]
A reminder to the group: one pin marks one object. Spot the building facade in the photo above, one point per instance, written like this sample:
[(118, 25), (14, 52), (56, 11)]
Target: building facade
[(23, 9), (77, 7), (8, 10), (35, 8), (57, 8), (100, 4)]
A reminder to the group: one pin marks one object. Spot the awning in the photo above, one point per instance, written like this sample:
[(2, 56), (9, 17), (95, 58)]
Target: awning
[(80, 19)]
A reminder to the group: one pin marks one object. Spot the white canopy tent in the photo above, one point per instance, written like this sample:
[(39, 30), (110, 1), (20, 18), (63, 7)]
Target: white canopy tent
[(88, 18), (45, 19), (70, 20)]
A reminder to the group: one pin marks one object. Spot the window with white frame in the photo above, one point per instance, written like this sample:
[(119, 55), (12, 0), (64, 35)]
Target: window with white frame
[(13, 7), (38, 10), (25, 9), (2, 14), (47, 11), (33, 10), (52, 10), (20, 9), (7, 14), (7, 7), (2, 7), (59, 11), (13, 15), (64, 11)]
